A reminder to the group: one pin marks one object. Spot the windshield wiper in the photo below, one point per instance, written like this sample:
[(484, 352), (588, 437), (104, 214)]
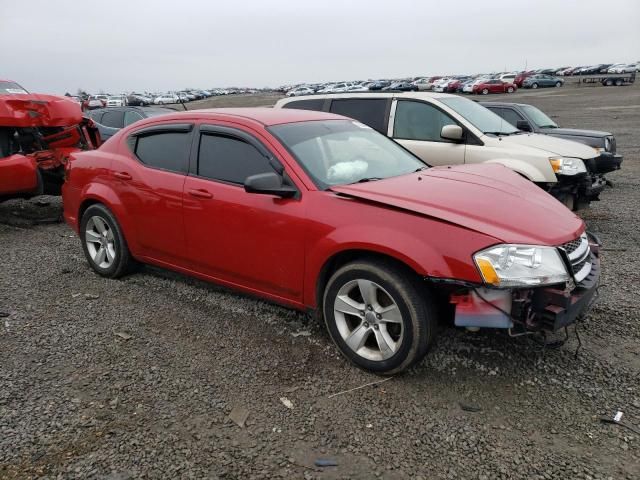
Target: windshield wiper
[(548, 126), (366, 179), (420, 169), (498, 134)]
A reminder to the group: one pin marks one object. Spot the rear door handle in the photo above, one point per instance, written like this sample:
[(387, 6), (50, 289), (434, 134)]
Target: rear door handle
[(200, 193), (122, 175)]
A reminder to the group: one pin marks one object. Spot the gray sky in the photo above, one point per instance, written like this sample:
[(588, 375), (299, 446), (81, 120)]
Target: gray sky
[(57, 46)]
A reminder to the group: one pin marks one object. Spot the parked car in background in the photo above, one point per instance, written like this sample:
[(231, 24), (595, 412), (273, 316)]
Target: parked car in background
[(138, 100), (531, 119), (445, 129), (165, 99), (494, 86), (519, 78), (507, 77), (402, 87), (540, 81), (344, 223), (109, 120), (116, 101), (296, 92), (95, 101), (379, 85)]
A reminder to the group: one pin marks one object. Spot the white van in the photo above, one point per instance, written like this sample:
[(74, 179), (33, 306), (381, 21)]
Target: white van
[(445, 129)]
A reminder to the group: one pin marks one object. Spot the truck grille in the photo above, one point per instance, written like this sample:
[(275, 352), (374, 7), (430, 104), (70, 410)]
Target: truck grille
[(579, 255)]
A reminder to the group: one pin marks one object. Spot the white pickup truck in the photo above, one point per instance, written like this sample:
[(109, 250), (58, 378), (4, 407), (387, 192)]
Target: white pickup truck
[(445, 129)]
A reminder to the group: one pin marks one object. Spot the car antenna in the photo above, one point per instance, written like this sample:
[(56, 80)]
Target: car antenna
[(181, 100)]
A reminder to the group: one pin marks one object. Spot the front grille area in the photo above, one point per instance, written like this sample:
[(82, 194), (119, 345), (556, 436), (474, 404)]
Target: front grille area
[(579, 254), (572, 246)]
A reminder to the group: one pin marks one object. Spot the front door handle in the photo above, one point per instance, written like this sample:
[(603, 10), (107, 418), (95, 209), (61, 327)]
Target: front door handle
[(200, 193), (122, 175)]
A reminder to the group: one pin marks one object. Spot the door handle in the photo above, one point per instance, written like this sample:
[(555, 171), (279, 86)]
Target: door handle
[(200, 193), (122, 175)]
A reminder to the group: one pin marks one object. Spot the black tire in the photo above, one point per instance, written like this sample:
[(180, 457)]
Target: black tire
[(122, 262), (414, 304), (608, 83), (534, 85), (618, 82), (510, 90), (485, 91), (558, 84)]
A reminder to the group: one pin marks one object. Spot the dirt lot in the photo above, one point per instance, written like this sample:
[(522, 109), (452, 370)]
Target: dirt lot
[(136, 378)]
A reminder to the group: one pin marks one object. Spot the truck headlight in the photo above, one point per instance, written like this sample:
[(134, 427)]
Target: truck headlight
[(607, 144), (521, 266), (567, 166)]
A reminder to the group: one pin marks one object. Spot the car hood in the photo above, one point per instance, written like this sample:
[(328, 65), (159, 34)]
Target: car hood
[(37, 110), (552, 145), (575, 132), (490, 199)]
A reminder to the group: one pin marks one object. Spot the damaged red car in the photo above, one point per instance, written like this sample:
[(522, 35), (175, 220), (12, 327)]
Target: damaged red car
[(37, 134), (324, 214)]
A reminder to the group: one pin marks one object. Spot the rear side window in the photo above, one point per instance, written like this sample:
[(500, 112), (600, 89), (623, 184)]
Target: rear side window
[(165, 150), (370, 111), (419, 121), (113, 119), (230, 159), (309, 104)]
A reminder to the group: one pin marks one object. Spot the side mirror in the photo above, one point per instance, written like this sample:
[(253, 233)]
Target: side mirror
[(524, 126), (452, 132), (269, 184)]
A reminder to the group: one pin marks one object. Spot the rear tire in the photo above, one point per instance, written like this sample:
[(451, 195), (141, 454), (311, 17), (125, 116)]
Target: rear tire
[(618, 82), (103, 243), (558, 84), (378, 316), (608, 83), (510, 90)]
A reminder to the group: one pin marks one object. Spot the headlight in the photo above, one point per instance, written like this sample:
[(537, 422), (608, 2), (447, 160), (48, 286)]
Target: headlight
[(607, 144), (567, 166), (521, 266)]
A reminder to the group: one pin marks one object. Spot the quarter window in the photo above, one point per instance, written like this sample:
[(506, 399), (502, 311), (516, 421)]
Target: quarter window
[(166, 150), (315, 104), (230, 159), (419, 121)]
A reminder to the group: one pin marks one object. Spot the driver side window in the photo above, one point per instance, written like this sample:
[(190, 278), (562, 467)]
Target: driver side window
[(419, 121)]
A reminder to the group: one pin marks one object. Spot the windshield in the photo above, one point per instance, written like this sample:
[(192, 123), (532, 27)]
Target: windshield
[(338, 152), (539, 118), (11, 88), (480, 117)]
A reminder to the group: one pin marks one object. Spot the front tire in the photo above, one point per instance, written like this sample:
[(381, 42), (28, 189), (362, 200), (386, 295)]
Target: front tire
[(103, 243), (510, 90), (485, 91), (558, 84), (535, 85), (378, 317)]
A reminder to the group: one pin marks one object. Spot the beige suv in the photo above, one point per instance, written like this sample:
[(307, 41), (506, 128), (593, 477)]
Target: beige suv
[(445, 129)]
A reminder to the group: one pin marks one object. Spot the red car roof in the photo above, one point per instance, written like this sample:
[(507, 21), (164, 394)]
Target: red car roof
[(266, 116)]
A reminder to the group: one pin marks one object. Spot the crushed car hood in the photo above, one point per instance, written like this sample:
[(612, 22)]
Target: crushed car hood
[(37, 110), (490, 199), (553, 145)]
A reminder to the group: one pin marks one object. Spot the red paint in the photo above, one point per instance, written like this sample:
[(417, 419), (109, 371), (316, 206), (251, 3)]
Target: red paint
[(494, 87), (58, 122), (433, 221)]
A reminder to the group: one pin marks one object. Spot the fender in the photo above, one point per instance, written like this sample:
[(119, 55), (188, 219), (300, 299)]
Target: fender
[(18, 174), (429, 261), (104, 194), (527, 169)]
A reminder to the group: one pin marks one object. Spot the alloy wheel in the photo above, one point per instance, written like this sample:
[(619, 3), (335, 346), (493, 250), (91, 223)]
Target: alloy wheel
[(100, 242), (368, 319)]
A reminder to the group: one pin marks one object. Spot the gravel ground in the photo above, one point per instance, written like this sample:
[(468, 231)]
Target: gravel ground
[(137, 378)]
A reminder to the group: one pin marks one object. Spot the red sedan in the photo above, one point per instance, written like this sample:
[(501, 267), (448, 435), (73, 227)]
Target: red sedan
[(324, 214), (494, 86)]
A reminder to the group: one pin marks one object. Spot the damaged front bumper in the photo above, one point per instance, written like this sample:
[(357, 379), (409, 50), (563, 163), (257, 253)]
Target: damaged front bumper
[(532, 309)]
